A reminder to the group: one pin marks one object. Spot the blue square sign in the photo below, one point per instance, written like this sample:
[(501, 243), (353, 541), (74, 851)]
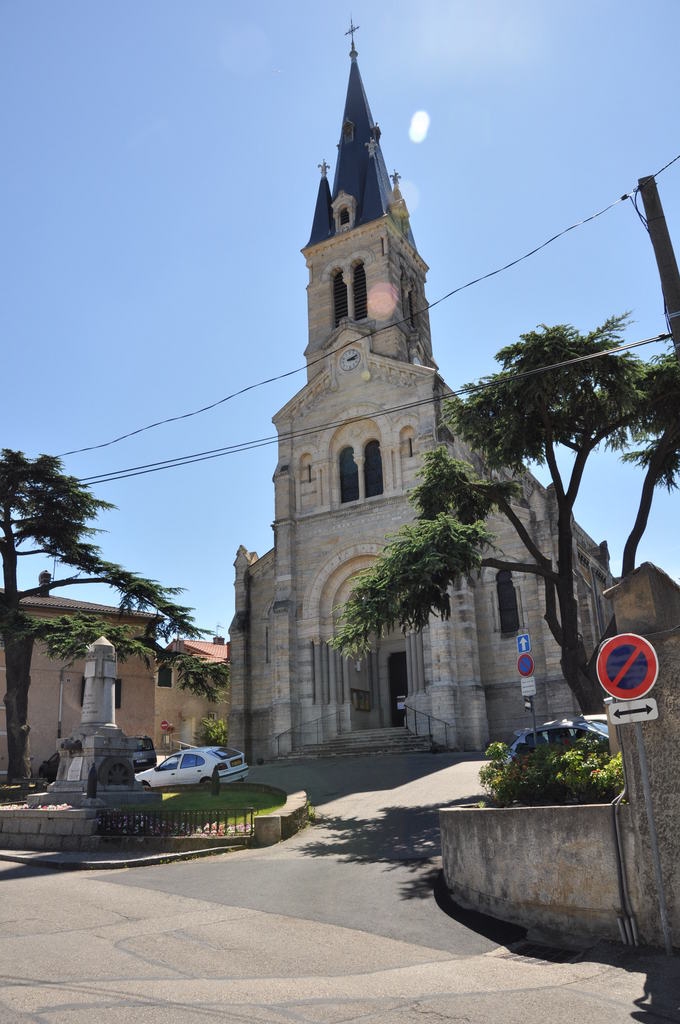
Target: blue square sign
[(523, 643)]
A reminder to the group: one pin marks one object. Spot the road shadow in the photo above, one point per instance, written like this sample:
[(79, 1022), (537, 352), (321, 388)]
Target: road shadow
[(327, 779), (660, 1001), (398, 835)]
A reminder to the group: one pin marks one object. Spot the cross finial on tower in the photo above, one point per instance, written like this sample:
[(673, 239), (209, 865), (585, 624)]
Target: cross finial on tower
[(324, 168), (350, 32), (396, 178)]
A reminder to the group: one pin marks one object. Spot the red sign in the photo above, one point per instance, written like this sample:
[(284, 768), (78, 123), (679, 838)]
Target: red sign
[(525, 665), (165, 725), (627, 666)]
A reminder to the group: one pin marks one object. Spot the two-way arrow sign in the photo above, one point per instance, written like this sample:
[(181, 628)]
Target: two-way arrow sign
[(624, 711)]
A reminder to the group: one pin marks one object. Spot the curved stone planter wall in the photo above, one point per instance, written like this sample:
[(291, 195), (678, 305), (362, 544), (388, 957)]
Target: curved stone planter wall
[(546, 868)]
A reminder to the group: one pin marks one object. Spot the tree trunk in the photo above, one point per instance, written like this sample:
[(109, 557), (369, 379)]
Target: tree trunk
[(18, 667), (574, 661), (588, 692)]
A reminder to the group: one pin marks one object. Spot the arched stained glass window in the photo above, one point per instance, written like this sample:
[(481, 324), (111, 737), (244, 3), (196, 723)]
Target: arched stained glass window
[(339, 298), (507, 602), (373, 475), (349, 475)]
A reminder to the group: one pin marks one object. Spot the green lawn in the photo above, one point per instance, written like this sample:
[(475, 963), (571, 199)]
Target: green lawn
[(228, 798)]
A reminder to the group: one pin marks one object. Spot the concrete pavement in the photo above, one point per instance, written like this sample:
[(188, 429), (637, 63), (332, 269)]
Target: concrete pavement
[(341, 923)]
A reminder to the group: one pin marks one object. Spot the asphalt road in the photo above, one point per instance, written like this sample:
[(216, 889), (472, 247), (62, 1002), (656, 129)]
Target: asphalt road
[(342, 923)]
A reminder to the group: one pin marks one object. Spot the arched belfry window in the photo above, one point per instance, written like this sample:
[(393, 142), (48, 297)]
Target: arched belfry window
[(340, 310), (344, 215), (507, 602), (359, 291), (349, 475), (373, 475)]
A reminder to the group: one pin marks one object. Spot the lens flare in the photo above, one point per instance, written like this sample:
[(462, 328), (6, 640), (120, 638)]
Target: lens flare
[(420, 124), (382, 301)]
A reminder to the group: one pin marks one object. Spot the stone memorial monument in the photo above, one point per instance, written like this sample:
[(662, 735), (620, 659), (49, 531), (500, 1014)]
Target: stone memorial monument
[(95, 762)]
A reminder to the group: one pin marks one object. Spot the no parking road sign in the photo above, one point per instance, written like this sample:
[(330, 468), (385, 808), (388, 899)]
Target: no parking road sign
[(627, 666), (525, 665)]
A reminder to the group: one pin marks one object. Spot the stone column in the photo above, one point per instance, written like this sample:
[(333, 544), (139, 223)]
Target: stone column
[(360, 471), (418, 638), (318, 685), (332, 676), (99, 699)]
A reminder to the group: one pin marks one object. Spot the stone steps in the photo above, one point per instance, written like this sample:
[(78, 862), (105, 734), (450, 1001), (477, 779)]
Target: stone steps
[(396, 740)]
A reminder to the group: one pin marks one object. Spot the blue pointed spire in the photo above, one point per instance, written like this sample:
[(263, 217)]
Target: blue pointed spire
[(360, 170)]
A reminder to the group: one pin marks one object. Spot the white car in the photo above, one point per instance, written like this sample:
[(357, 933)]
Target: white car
[(196, 765)]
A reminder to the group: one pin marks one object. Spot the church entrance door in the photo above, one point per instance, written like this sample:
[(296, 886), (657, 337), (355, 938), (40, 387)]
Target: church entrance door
[(396, 668)]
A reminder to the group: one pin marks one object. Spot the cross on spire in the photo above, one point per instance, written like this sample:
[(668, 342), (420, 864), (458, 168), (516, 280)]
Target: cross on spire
[(350, 32)]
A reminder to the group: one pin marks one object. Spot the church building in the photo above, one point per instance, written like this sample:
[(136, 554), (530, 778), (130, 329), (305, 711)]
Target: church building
[(350, 444)]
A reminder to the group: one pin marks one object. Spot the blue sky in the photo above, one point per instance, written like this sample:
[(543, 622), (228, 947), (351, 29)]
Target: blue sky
[(159, 179)]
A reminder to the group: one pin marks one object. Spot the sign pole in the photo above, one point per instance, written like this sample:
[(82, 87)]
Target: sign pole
[(656, 860)]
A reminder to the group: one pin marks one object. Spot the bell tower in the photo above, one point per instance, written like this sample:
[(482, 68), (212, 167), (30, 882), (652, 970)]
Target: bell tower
[(366, 277)]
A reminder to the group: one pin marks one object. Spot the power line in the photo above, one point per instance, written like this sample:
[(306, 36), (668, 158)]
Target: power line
[(370, 334), (214, 453)]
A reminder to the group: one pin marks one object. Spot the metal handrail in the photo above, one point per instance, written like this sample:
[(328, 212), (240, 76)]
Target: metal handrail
[(307, 725), (430, 720)]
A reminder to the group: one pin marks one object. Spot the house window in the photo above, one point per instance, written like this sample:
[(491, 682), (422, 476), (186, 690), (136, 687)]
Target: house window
[(340, 309), (373, 476), (349, 476), (359, 289), (164, 676), (507, 602)]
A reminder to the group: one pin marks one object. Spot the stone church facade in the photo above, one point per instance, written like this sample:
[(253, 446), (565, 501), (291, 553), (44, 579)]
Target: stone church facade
[(350, 446)]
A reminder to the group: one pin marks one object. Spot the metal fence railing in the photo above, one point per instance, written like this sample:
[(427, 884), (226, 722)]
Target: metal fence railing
[(421, 724), (216, 824)]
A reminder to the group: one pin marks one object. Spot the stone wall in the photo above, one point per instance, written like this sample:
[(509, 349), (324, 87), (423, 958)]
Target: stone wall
[(648, 603), (550, 869), (554, 868)]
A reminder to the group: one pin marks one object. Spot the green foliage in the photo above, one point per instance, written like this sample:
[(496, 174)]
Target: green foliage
[(453, 486), (209, 679), (214, 731), (45, 512), (522, 414), (584, 773), (410, 580), (657, 428)]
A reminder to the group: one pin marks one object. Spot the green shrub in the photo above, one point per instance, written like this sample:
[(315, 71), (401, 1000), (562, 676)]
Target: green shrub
[(214, 732), (583, 773)]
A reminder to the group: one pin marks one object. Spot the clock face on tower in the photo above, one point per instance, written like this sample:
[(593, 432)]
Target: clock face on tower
[(350, 359)]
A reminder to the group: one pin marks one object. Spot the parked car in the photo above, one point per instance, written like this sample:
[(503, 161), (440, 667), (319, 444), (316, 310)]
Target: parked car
[(145, 754), (196, 765), (49, 768), (563, 732)]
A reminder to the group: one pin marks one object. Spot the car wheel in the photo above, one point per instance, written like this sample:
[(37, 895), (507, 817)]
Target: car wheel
[(206, 782), (146, 784)]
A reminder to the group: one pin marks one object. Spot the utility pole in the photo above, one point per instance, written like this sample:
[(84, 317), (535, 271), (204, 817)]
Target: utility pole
[(665, 257)]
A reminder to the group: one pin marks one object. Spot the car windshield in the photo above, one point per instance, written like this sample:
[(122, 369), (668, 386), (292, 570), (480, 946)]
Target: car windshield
[(600, 727), (225, 752)]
